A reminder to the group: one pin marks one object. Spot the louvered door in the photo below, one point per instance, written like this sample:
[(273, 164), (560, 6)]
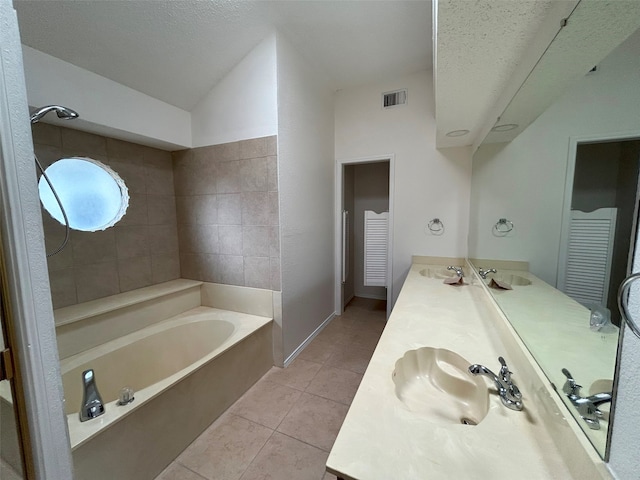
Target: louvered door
[(589, 254), (376, 240)]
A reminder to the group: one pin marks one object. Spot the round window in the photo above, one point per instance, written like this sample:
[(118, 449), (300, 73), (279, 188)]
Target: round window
[(94, 196)]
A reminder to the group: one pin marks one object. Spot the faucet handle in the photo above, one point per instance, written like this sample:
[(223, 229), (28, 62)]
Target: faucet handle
[(570, 387), (505, 375), (458, 270)]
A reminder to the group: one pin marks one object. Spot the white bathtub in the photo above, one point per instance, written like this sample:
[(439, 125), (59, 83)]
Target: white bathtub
[(184, 371)]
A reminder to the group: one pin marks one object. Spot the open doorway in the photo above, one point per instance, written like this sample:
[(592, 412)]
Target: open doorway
[(600, 227), (364, 215)]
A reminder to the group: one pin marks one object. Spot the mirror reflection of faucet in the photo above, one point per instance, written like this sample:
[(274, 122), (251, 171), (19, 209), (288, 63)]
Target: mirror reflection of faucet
[(483, 273), (587, 406)]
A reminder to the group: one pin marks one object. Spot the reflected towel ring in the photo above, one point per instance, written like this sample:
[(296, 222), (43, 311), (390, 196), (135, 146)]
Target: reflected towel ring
[(623, 306), (436, 227), (503, 226)]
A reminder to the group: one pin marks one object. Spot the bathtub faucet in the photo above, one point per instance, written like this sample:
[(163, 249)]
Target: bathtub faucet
[(92, 405)]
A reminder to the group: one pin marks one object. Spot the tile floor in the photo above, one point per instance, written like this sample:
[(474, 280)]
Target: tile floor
[(285, 425)]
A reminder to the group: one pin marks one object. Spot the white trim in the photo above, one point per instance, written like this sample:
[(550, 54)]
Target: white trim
[(338, 207), (29, 291), (309, 339), (568, 189)]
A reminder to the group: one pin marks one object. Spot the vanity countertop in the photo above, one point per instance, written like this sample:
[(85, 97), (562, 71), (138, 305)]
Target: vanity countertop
[(381, 439)]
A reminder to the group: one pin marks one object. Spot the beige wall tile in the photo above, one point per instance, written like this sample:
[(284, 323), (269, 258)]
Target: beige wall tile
[(165, 267), (274, 209), (46, 134), (272, 145), (134, 273), (257, 272), (227, 151), (274, 241), (195, 238), (132, 242), (63, 288), (125, 151), (93, 247), (54, 234), (230, 239), (190, 266), (275, 277), (253, 175), (253, 148), (228, 179), (195, 175), (255, 208), (255, 241), (83, 144), (206, 209), (161, 209), (272, 174), (232, 269), (96, 281), (210, 268), (163, 239), (136, 213), (47, 154), (133, 175), (230, 209), (159, 173)]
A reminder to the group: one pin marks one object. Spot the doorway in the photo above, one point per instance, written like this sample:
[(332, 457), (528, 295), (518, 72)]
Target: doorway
[(599, 227), (364, 189)]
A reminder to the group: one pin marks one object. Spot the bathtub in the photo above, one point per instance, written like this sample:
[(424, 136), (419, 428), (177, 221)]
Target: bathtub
[(184, 371)]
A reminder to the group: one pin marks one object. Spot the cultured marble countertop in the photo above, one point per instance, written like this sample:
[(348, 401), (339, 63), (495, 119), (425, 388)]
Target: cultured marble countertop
[(381, 439)]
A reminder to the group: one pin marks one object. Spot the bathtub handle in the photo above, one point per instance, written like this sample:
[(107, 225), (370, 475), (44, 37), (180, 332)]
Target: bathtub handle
[(92, 405)]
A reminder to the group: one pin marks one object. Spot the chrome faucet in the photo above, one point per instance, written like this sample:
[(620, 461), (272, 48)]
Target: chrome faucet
[(587, 406), (484, 273), (508, 390), (458, 270), (92, 405)]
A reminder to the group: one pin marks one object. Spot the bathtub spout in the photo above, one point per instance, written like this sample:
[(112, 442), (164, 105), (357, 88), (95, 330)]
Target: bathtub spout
[(92, 405)]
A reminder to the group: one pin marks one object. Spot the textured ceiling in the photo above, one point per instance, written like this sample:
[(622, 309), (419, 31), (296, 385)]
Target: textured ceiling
[(479, 45), (177, 51)]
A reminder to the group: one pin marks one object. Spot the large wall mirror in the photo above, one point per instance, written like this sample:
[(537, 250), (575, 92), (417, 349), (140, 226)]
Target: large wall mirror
[(555, 212)]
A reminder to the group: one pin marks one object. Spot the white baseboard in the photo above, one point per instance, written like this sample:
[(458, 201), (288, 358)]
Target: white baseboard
[(309, 339)]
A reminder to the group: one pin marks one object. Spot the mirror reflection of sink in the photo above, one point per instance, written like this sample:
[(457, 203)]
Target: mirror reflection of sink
[(436, 384), (513, 280), (439, 273)]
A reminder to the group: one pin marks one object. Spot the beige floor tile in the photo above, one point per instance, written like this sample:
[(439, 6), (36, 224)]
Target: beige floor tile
[(225, 449), (285, 458), (266, 403), (298, 375), (314, 420), (350, 358), (319, 351), (329, 476), (175, 471), (363, 339), (335, 384)]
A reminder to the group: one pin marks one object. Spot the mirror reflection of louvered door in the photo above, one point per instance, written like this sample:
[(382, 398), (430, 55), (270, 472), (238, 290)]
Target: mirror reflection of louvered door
[(589, 254)]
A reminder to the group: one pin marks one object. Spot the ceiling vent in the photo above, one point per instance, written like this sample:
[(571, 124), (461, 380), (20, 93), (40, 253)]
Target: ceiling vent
[(395, 98)]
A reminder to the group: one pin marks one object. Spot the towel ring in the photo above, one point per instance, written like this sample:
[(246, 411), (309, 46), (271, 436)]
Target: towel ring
[(436, 227), (622, 303), (503, 226)]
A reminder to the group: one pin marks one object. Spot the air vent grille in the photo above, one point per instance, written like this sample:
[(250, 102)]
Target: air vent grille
[(393, 99)]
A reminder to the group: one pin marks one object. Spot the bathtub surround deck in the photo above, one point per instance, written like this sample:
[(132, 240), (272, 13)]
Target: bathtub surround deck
[(285, 425), (231, 350)]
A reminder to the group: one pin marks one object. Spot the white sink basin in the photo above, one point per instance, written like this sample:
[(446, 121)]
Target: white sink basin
[(436, 384)]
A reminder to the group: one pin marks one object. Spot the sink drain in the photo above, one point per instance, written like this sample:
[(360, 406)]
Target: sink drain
[(468, 421)]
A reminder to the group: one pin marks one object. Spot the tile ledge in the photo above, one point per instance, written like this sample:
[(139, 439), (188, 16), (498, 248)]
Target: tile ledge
[(82, 311)]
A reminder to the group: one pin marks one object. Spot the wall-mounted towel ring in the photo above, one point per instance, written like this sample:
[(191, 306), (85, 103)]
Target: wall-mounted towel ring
[(436, 227), (503, 226), (623, 303)]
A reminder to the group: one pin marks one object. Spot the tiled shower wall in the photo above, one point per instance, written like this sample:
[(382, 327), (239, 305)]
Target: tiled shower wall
[(141, 250), (228, 216)]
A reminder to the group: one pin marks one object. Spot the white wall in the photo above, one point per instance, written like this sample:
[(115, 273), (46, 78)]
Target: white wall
[(306, 176), (524, 180), (429, 183), (105, 107), (243, 104)]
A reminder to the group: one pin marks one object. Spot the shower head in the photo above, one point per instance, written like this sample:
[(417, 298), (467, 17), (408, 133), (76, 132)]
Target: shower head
[(62, 112)]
